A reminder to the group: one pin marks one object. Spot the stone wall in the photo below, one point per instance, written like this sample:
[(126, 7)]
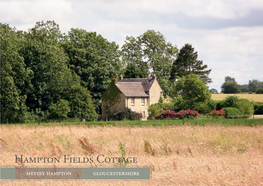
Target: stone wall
[(155, 93), (138, 107), (118, 106)]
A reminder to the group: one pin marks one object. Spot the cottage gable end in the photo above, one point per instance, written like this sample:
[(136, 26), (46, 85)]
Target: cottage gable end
[(113, 100)]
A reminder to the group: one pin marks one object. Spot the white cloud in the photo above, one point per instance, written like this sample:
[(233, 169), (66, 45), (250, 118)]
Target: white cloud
[(231, 51), (29, 12), (235, 52), (213, 8), (236, 40)]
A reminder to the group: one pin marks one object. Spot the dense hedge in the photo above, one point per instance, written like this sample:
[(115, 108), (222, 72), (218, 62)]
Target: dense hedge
[(232, 112), (206, 107), (246, 107), (259, 91), (125, 115), (258, 108)]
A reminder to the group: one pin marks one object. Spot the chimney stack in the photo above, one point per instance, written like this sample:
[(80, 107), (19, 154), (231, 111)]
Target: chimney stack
[(154, 77), (121, 77), (113, 80)]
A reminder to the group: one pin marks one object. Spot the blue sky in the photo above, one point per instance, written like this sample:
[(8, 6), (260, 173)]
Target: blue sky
[(227, 34)]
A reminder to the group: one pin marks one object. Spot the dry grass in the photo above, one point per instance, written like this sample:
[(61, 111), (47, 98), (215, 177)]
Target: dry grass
[(250, 97), (178, 155)]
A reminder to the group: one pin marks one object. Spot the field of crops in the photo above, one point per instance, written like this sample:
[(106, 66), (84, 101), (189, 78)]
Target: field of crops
[(250, 97), (177, 155)]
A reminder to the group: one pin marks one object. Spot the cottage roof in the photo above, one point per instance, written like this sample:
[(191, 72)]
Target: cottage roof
[(146, 83), (132, 88)]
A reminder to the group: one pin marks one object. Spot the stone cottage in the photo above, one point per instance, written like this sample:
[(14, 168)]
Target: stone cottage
[(136, 94)]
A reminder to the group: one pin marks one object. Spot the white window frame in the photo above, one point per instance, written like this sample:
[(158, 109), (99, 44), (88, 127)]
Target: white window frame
[(143, 101), (132, 101)]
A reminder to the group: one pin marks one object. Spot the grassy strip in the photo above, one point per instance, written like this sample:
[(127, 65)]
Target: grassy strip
[(203, 121)]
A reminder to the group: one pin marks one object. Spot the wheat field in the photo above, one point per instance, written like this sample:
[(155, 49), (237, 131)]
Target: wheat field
[(250, 97), (177, 155)]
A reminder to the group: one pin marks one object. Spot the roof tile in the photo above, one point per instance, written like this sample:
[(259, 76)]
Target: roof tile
[(132, 89)]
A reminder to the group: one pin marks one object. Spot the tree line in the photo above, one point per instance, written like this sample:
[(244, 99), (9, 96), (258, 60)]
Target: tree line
[(231, 86), (46, 74)]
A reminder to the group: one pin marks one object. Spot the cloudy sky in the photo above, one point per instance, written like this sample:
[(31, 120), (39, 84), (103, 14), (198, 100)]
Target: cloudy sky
[(227, 34)]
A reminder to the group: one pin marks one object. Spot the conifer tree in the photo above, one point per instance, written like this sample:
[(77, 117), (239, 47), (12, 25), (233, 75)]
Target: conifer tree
[(187, 63)]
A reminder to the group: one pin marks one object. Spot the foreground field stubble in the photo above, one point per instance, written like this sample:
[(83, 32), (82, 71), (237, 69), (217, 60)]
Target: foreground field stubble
[(177, 155)]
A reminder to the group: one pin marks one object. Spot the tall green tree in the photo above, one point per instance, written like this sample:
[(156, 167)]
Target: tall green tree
[(187, 63), (81, 104), (213, 91), (229, 79), (94, 59), (230, 86), (15, 76), (136, 71), (254, 84), (259, 91), (151, 54), (53, 81), (48, 61), (192, 90), (244, 88), (133, 56)]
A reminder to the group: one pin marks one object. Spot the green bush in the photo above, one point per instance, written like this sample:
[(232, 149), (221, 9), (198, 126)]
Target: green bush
[(232, 112), (157, 108), (230, 101), (154, 109), (258, 108), (206, 107), (246, 107), (81, 104), (219, 104), (60, 109), (203, 108), (179, 104), (29, 117), (167, 106), (127, 114), (259, 91), (212, 104)]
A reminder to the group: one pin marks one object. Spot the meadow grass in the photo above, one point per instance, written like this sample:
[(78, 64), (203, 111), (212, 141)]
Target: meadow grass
[(250, 97), (177, 154), (201, 120)]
